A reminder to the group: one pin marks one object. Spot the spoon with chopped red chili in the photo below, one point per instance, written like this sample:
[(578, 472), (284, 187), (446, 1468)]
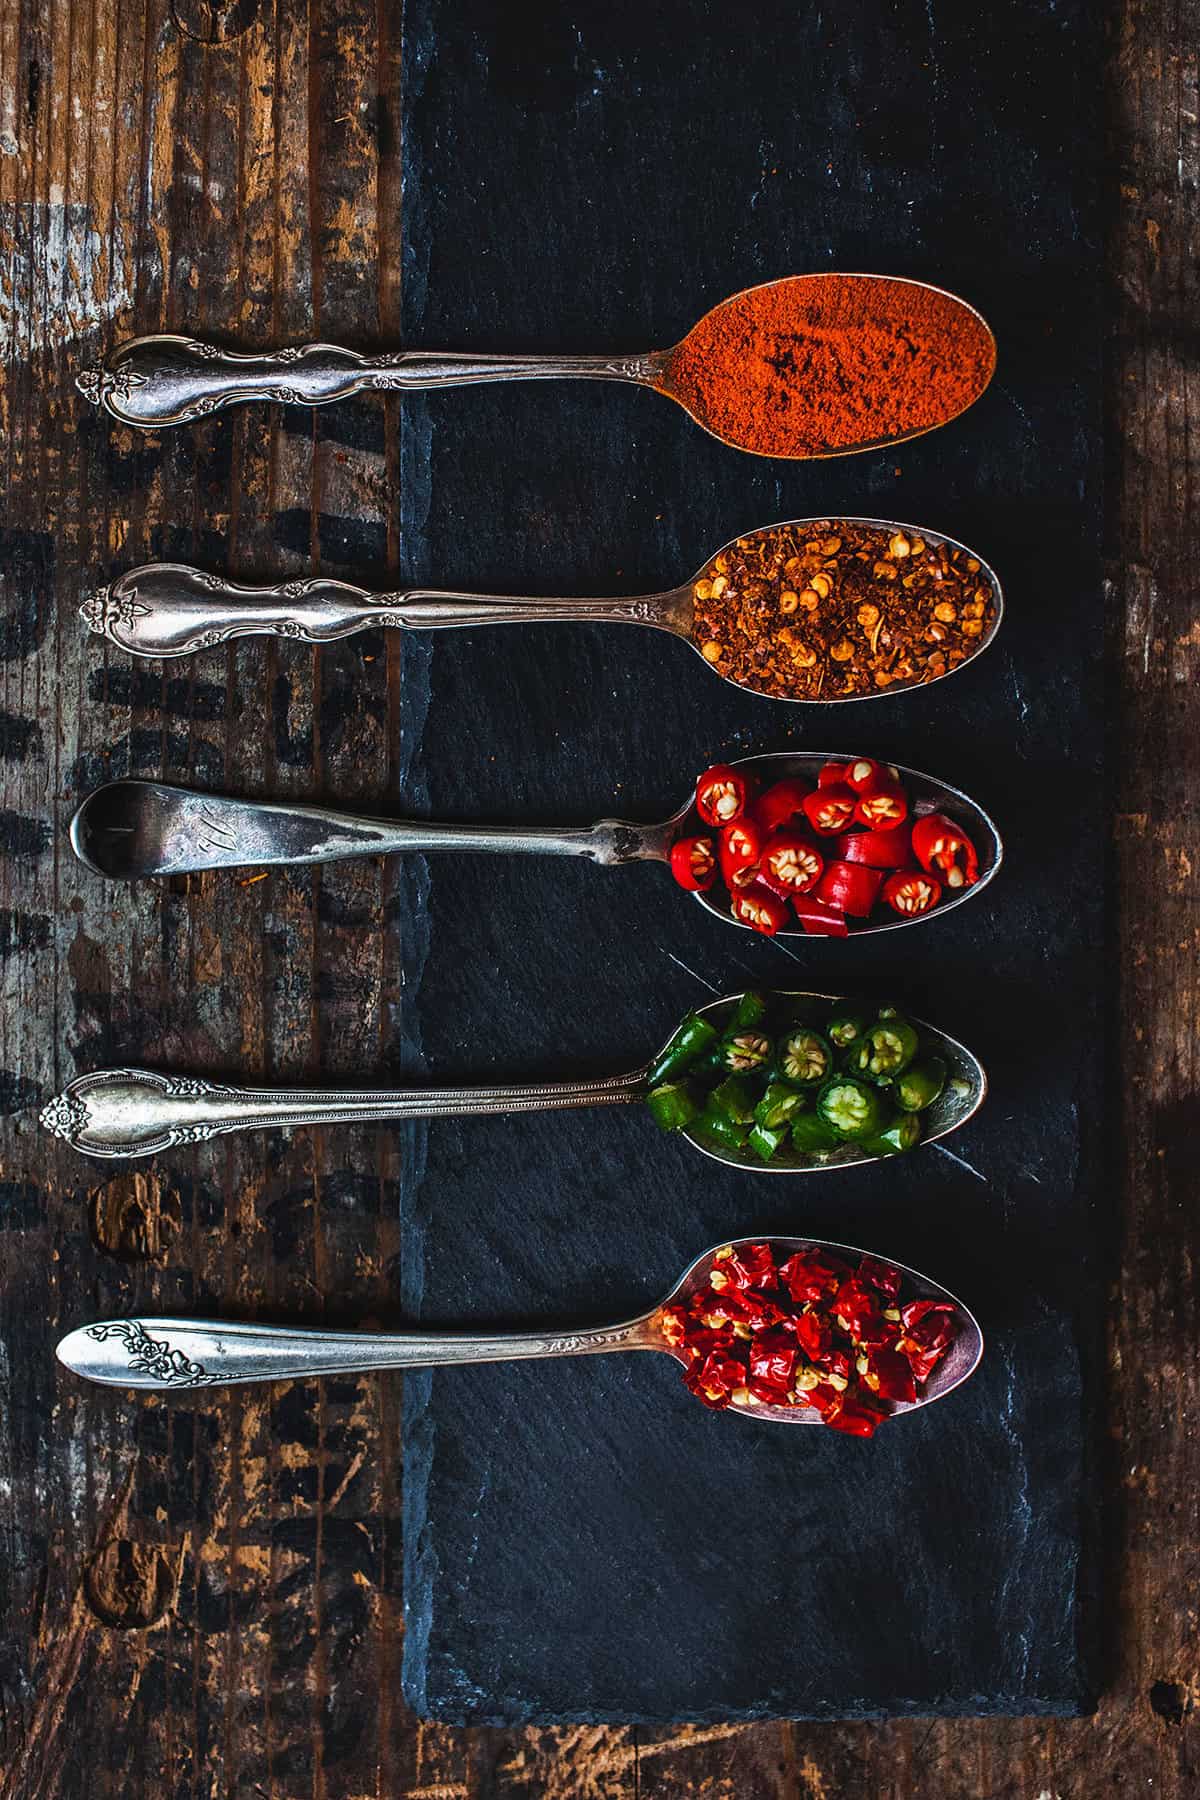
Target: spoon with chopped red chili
[(793, 1331), (752, 842), (786, 1082), (806, 366), (807, 610)]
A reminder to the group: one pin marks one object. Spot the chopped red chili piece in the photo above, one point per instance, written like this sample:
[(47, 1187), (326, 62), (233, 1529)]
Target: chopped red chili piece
[(779, 804), (888, 1374), (850, 888), (759, 908), (773, 1358), (862, 772), (889, 849), (791, 863), (939, 846), (881, 1275), (911, 891), (808, 1274), (854, 1417), (721, 794), (741, 846), (749, 1268), (818, 919), (832, 773), (831, 808), (882, 804), (812, 1335), (693, 863)]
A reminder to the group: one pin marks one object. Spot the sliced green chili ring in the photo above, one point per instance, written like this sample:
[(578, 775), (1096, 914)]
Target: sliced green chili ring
[(715, 1128), (694, 1036), (779, 1105), (751, 1010), (745, 1052), (921, 1084), (811, 1136), (765, 1140), (901, 1134), (733, 1099), (805, 1057), (851, 1108), (846, 1025), (888, 1048), (673, 1104)]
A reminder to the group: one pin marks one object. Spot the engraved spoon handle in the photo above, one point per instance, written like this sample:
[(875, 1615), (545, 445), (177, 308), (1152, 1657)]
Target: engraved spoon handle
[(195, 1353), (169, 380), (129, 830), (138, 1112), (168, 609)]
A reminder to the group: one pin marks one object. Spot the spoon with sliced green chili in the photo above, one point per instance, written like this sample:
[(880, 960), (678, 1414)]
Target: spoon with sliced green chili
[(779, 1081)]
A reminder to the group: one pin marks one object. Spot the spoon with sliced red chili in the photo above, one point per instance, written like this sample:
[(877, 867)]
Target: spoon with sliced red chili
[(806, 366), (743, 841), (792, 1331), (787, 1082), (809, 610)]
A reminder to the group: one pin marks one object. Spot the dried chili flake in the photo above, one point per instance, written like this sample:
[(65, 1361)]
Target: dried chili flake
[(831, 609)]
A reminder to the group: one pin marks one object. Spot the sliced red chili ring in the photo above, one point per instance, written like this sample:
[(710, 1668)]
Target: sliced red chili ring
[(940, 846), (694, 863), (759, 908), (721, 794), (862, 772), (831, 808), (877, 849), (882, 804), (832, 775), (911, 892), (850, 887), (792, 861), (779, 804), (741, 846), (818, 919)]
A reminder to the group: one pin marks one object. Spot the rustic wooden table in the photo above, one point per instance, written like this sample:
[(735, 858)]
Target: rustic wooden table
[(206, 1600)]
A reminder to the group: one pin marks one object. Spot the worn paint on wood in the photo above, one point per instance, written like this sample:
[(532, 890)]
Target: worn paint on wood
[(206, 1601)]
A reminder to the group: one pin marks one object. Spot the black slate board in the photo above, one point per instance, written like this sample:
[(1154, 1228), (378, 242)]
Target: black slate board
[(583, 1540)]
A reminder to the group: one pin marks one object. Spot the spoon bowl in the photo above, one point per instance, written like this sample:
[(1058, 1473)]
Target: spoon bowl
[(169, 609), (180, 1354), (964, 1093), (928, 795), (870, 341)]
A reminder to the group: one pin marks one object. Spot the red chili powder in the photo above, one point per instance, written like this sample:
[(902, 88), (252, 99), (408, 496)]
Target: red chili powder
[(819, 364)]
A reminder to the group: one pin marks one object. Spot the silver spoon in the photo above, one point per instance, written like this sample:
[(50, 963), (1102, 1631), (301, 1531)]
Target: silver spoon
[(131, 829), (169, 609), (139, 1112), (169, 379), (195, 1353)]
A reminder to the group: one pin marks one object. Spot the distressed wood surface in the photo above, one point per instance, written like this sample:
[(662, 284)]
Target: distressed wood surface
[(204, 1600)]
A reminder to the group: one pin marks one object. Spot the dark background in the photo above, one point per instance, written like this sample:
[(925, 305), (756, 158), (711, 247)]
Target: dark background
[(583, 1540)]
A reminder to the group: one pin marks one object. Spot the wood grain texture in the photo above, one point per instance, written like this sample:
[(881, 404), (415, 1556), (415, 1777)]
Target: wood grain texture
[(201, 1601)]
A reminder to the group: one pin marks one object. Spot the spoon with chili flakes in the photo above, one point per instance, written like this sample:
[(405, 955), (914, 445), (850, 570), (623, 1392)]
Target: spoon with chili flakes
[(789, 875), (805, 366), (852, 1086), (807, 610), (794, 1331)]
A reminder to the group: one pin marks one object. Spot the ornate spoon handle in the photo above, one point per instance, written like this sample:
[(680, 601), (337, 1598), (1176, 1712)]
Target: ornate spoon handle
[(194, 1353), (168, 380), (136, 1112), (168, 609)]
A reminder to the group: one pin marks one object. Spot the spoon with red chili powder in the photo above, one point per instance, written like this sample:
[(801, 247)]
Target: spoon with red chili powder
[(793, 1331), (811, 365)]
